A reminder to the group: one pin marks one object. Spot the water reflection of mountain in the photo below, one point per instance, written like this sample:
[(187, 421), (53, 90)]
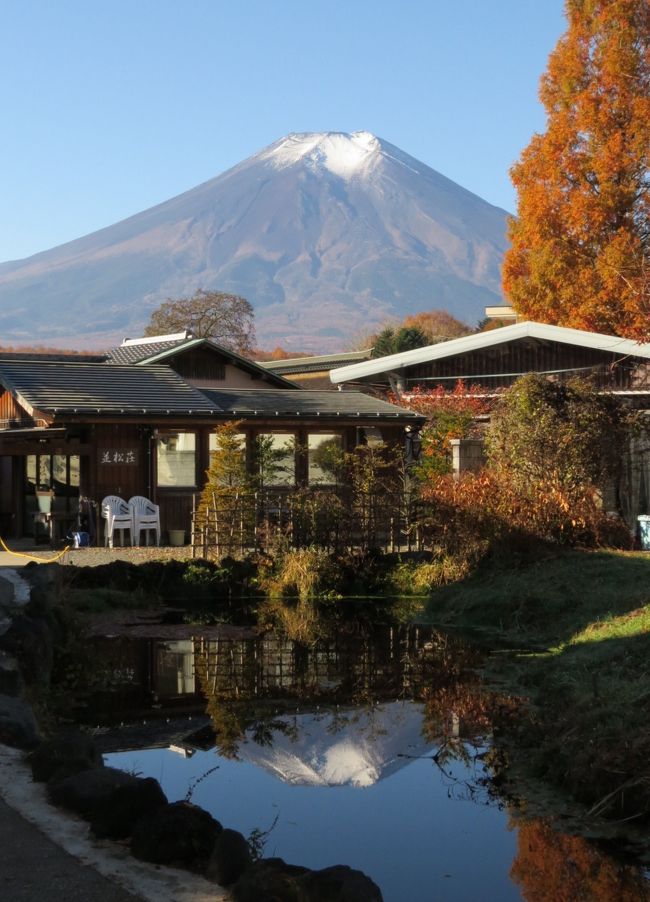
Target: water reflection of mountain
[(356, 747)]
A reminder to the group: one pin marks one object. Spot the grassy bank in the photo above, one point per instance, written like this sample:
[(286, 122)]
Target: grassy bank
[(579, 625)]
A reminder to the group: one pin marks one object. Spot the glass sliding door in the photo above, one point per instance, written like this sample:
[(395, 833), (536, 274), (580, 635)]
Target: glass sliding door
[(50, 490)]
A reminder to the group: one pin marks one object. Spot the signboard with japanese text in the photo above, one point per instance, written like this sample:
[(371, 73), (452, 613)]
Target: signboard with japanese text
[(118, 456)]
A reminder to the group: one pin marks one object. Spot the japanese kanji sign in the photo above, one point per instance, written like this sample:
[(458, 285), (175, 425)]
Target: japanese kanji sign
[(118, 456)]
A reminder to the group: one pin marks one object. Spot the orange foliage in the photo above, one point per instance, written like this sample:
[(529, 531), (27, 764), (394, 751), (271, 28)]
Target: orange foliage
[(437, 325), (40, 349), (278, 353), (580, 253), (552, 867), (487, 508)]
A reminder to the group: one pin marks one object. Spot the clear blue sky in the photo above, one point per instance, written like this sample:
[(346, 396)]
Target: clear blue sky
[(110, 107)]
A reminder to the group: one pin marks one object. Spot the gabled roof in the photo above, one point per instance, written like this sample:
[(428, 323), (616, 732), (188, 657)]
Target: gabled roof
[(394, 362), (94, 388), (160, 349), (272, 402), (319, 364), (131, 353)]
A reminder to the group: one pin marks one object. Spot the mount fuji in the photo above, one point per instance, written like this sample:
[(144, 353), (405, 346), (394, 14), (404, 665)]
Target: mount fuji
[(327, 234)]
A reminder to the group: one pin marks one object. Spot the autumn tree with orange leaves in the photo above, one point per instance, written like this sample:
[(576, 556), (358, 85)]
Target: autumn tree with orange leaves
[(580, 253)]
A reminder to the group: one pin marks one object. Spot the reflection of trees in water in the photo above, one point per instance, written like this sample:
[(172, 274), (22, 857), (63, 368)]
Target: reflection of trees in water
[(246, 681), (555, 867)]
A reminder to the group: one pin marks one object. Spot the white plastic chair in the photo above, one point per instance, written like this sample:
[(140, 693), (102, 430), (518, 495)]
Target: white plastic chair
[(117, 514), (146, 515)]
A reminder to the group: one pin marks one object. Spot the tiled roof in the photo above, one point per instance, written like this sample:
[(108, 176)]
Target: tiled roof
[(273, 402), (151, 352), (135, 353), (95, 388)]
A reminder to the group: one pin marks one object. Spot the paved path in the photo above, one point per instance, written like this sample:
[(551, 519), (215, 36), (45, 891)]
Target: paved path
[(34, 869), (47, 855)]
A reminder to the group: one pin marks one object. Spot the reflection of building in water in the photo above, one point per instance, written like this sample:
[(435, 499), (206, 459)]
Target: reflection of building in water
[(175, 668), (388, 663)]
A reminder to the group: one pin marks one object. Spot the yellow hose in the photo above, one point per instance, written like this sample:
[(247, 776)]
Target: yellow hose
[(33, 557)]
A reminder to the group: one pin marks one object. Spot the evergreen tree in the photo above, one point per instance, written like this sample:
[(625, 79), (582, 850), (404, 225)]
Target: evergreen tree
[(580, 253), (393, 340)]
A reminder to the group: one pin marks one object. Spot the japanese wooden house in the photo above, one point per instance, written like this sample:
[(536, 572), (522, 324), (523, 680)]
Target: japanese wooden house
[(140, 420), (493, 360)]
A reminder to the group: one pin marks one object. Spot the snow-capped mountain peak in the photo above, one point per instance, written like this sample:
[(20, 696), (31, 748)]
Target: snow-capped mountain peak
[(345, 155), (327, 234)]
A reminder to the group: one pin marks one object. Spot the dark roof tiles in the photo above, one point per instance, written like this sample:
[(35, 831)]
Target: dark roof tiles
[(272, 402), (97, 388)]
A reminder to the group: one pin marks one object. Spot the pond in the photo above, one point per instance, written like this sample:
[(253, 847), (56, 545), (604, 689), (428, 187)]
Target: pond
[(369, 746)]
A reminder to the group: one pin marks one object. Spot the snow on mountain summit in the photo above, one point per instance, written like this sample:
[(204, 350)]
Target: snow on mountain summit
[(345, 155)]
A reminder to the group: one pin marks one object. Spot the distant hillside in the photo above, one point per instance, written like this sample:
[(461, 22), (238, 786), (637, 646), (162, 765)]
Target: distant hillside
[(327, 235)]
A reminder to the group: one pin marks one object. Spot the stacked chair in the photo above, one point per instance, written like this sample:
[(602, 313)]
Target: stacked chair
[(146, 515), (138, 514)]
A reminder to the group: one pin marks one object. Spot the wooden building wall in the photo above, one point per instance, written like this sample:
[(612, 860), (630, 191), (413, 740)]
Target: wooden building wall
[(499, 366)]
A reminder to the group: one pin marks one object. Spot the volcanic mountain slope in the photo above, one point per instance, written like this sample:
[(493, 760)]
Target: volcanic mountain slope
[(326, 234)]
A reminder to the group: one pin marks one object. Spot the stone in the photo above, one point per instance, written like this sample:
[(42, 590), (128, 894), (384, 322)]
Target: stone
[(11, 680), (18, 726), (31, 643), (180, 834), (339, 883), (269, 880), (85, 792), (230, 858), (116, 817), (70, 750)]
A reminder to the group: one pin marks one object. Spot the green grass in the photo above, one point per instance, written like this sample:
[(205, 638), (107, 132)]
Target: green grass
[(545, 602), (579, 627)]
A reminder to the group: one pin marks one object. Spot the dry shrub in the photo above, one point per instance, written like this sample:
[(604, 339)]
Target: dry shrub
[(420, 578), (306, 572), (480, 511)]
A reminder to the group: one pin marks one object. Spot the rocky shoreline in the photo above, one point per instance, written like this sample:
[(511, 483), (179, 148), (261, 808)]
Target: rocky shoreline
[(119, 806)]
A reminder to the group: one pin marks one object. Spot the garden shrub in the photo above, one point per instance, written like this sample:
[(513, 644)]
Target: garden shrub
[(306, 572), (480, 512)]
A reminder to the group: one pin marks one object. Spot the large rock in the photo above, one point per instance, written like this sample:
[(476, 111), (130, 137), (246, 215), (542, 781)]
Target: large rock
[(85, 792), (30, 640), (71, 751), (18, 726), (230, 858), (116, 817), (178, 834), (269, 880), (11, 680), (272, 880), (338, 884)]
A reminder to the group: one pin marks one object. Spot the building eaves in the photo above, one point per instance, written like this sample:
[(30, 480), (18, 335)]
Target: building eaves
[(395, 362), (322, 363), (287, 404)]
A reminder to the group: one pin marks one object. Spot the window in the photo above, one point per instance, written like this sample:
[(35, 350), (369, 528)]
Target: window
[(324, 457), (176, 459), (276, 459), (228, 458)]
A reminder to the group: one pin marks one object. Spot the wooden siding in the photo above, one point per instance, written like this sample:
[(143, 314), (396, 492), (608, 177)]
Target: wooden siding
[(11, 413), (500, 365), (116, 479), (200, 363)]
